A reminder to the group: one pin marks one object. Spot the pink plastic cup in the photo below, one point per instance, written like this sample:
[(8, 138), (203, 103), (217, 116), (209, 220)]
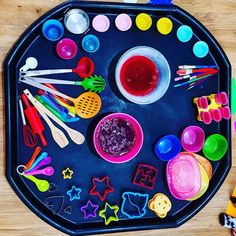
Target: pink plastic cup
[(136, 147), (123, 22), (66, 49), (193, 138)]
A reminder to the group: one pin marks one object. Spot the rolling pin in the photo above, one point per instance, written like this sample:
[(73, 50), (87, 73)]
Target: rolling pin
[(34, 120)]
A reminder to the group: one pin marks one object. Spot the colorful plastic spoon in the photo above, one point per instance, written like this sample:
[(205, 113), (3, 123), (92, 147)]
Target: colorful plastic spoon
[(46, 161), (48, 171), (40, 158), (42, 185)]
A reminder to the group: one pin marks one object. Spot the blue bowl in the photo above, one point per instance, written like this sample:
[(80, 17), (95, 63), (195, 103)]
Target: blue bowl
[(168, 147), (90, 43), (53, 30)]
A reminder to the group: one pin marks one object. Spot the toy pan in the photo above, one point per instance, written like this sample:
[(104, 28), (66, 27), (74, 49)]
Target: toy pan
[(170, 115)]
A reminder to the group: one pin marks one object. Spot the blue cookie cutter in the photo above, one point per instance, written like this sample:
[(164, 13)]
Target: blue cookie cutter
[(74, 193), (134, 204)]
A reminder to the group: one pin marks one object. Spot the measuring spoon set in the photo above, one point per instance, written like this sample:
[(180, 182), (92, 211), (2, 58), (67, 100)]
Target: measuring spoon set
[(32, 168)]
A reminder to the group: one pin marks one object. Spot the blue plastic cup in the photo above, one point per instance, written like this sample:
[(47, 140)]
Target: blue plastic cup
[(53, 30), (90, 43), (200, 49), (168, 147), (184, 33)]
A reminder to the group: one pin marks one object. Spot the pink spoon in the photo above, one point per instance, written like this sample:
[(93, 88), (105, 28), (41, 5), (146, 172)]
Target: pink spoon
[(46, 161), (46, 171)]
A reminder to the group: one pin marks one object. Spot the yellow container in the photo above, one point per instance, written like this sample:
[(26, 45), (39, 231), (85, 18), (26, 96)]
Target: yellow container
[(164, 25), (143, 21)]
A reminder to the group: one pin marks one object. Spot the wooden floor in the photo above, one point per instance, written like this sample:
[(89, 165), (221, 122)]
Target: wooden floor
[(219, 16)]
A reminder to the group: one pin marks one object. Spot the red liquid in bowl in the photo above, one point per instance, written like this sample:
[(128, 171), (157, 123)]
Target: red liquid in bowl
[(139, 76)]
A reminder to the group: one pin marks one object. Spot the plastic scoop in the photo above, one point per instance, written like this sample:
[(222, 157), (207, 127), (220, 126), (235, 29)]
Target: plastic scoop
[(85, 68), (42, 185), (30, 63), (215, 147), (94, 83), (46, 161), (48, 171), (86, 105)]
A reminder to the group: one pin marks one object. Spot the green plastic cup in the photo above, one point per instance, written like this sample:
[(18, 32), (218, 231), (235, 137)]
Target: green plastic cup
[(215, 147)]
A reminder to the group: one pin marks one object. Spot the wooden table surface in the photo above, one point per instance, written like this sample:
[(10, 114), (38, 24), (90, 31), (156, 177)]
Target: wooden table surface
[(219, 16)]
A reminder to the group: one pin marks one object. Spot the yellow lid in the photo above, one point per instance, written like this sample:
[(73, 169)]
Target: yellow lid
[(164, 25), (143, 21)]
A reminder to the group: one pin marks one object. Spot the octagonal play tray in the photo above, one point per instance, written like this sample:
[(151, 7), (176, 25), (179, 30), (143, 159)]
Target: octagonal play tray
[(169, 115)]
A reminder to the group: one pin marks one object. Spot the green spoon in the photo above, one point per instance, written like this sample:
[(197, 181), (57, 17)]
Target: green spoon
[(42, 185), (93, 83)]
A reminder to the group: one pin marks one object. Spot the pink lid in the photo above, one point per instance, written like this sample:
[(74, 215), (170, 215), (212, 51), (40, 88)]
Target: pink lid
[(123, 22), (184, 176), (101, 23)]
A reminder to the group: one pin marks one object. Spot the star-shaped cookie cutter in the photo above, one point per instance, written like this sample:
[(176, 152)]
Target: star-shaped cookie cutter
[(67, 173), (74, 193), (90, 210), (102, 213), (102, 193)]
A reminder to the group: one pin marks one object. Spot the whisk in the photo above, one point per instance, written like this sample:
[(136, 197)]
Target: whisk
[(29, 138)]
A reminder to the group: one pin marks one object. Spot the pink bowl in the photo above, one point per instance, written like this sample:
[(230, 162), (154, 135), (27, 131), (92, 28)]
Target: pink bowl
[(193, 138), (184, 176), (66, 48), (136, 147)]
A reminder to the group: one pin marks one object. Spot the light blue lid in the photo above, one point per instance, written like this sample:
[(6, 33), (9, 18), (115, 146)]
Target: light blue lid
[(184, 33), (200, 49)]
